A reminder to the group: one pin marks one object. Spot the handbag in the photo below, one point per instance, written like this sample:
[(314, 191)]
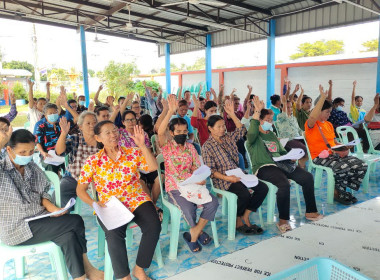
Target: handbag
[(287, 165), (341, 152)]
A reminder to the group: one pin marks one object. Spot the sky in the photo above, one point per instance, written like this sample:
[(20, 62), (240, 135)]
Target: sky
[(60, 47)]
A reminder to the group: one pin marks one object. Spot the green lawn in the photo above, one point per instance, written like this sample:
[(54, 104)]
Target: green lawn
[(19, 121), (21, 118), (5, 109)]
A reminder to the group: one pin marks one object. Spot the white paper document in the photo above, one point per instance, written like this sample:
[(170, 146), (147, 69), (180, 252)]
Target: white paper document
[(69, 204), (293, 154), (54, 159), (358, 123), (298, 137), (199, 175), (114, 215), (349, 144), (248, 180)]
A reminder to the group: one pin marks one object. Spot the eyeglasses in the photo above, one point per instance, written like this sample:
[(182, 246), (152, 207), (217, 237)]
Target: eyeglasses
[(113, 131), (130, 120)]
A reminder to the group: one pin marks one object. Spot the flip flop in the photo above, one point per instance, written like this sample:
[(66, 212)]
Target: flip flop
[(342, 199), (258, 230), (204, 239), (284, 228), (193, 246), (319, 217), (246, 230)]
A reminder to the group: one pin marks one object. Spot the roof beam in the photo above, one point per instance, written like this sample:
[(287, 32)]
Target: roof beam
[(247, 6), (115, 8)]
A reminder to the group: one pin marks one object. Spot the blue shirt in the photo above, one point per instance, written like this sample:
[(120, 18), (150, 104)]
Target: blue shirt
[(276, 111)]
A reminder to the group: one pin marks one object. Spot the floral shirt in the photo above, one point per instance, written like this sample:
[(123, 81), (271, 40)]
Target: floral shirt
[(339, 118), (287, 127), (127, 141), (120, 178), (180, 163)]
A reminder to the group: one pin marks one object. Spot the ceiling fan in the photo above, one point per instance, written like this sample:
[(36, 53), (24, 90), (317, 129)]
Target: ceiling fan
[(130, 27), (196, 2), (97, 40)]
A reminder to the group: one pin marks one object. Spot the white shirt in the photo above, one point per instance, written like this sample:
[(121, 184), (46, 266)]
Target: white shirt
[(34, 117)]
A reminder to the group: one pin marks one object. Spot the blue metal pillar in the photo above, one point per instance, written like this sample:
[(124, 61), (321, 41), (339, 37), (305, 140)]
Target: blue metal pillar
[(84, 65), (378, 65), (271, 60), (167, 68), (208, 62)]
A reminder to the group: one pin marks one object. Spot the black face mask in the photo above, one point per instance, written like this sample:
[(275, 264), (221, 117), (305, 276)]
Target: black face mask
[(180, 139)]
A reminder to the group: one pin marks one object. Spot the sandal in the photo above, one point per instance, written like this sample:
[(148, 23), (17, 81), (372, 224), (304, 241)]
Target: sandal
[(258, 230), (193, 246), (343, 199), (319, 217), (246, 230), (204, 238), (284, 228), (352, 198)]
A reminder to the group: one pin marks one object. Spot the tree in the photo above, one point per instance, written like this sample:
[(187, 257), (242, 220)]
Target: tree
[(19, 91), (91, 73), (319, 48), (14, 64), (139, 88), (371, 45), (118, 77), (59, 73), (199, 64)]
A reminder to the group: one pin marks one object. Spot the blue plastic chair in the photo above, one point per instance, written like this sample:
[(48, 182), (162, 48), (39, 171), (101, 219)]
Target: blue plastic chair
[(174, 213)]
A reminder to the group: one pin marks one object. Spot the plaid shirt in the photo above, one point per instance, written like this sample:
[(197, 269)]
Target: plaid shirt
[(47, 135), (12, 113), (78, 152), (20, 198), (222, 157)]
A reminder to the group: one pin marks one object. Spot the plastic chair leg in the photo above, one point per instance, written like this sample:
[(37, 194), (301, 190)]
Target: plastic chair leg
[(174, 234), (52, 261), (20, 266), (318, 177), (261, 217), (232, 210), (78, 206), (215, 233), (59, 263), (129, 237), (165, 220), (297, 189), (101, 242), (108, 271), (158, 255), (330, 187), (366, 178), (224, 206), (271, 203)]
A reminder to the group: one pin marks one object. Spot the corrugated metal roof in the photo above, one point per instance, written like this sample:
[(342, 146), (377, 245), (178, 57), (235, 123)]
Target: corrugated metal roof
[(14, 73), (170, 24)]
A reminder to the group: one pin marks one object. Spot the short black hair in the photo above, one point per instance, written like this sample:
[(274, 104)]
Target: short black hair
[(146, 121), (274, 99), (22, 136), (265, 112), (101, 108), (4, 120), (182, 102), (126, 113), (70, 101), (338, 100), (120, 98), (304, 98), (201, 98), (41, 98), (177, 121), (210, 104), (97, 131), (326, 105), (213, 120), (357, 97)]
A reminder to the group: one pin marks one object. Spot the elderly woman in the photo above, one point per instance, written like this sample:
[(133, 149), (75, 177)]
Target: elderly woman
[(114, 171), (24, 194), (220, 153), (348, 171), (181, 159), (263, 145), (78, 147), (48, 132)]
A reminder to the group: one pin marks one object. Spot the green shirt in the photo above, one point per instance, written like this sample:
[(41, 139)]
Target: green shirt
[(256, 142), (287, 126), (302, 116)]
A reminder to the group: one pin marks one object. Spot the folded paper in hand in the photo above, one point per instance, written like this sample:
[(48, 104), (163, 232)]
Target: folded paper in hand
[(114, 215), (199, 175), (247, 179), (54, 159), (293, 154), (69, 204), (349, 144)]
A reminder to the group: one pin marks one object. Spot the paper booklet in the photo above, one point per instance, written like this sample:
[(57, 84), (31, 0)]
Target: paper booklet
[(54, 159), (293, 154), (358, 123), (349, 144), (114, 215), (69, 204), (199, 175), (248, 180)]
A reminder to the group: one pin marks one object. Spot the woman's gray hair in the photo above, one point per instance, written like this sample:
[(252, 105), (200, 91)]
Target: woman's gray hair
[(85, 114), (50, 106)]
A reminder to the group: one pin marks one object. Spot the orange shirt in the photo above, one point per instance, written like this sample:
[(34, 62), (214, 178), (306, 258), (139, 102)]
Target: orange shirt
[(315, 140), (120, 178)]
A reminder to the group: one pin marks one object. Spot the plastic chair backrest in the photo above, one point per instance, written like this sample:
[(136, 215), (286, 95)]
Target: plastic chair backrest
[(26, 125), (160, 159), (371, 149), (249, 156), (276, 129), (153, 141), (54, 179), (343, 132), (308, 151)]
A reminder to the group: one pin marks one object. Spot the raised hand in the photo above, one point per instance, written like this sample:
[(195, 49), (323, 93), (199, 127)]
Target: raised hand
[(138, 136), (109, 100), (229, 108), (173, 103), (297, 87), (330, 83), (100, 88), (144, 83), (165, 105), (195, 100), (259, 104), (30, 83), (377, 99), (13, 98), (48, 85), (249, 88), (160, 90), (91, 106), (354, 83), (212, 91), (64, 125)]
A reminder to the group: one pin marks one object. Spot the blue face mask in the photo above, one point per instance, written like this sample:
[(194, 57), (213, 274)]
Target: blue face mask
[(267, 126), (82, 103), (23, 160), (339, 108), (53, 118)]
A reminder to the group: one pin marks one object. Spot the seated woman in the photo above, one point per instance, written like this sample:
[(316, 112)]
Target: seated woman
[(263, 145), (373, 120), (127, 140), (181, 159), (78, 147), (287, 127), (356, 110), (114, 172), (220, 153), (348, 171), (201, 123), (276, 105), (303, 109), (25, 189)]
